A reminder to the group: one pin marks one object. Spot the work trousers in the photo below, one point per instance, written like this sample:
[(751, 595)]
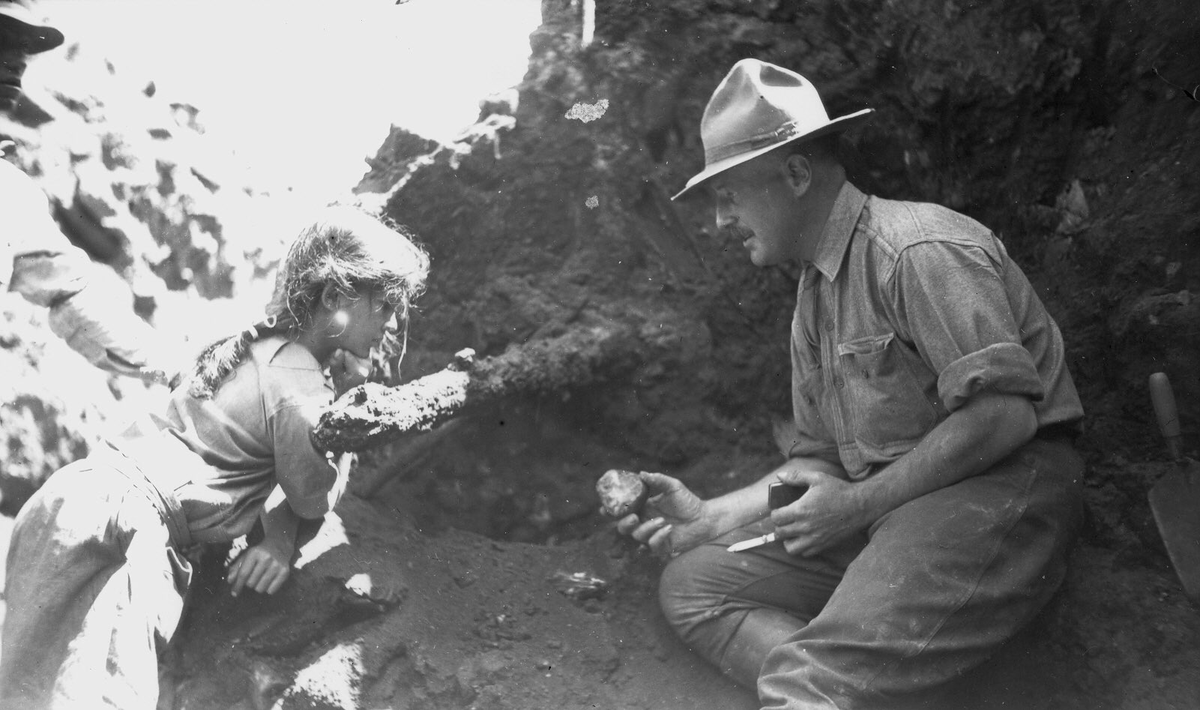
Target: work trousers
[(927, 593), (94, 589)]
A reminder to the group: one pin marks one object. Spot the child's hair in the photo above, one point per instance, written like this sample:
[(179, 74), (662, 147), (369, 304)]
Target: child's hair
[(345, 248)]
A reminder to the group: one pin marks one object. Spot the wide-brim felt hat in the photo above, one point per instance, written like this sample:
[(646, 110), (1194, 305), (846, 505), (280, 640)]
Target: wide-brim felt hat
[(39, 36), (757, 108)]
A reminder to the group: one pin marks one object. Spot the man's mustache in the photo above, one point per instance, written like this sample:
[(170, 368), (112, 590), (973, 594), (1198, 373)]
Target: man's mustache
[(736, 232)]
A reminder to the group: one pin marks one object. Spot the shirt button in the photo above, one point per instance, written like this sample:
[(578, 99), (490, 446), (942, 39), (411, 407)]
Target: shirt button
[(866, 375), (828, 325), (841, 384)]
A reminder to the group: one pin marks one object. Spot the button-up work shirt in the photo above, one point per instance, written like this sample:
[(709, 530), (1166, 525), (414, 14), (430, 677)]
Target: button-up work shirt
[(907, 311)]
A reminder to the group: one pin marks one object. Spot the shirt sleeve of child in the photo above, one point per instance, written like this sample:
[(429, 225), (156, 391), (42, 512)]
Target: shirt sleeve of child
[(952, 300), (309, 478)]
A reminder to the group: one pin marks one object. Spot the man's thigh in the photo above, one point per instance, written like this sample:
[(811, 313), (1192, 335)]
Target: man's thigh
[(709, 581), (944, 581)]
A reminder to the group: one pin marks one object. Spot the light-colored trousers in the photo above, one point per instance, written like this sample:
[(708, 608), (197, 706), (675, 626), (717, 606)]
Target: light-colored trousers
[(929, 592), (94, 590)]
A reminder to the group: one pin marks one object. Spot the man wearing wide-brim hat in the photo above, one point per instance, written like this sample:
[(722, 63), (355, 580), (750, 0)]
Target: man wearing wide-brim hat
[(90, 307), (934, 418)]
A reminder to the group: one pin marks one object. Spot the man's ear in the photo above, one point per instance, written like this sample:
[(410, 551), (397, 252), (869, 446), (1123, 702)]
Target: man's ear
[(798, 171)]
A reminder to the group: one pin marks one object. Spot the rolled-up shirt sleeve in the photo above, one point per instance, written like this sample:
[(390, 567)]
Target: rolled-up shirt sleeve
[(311, 480), (91, 308), (952, 303)]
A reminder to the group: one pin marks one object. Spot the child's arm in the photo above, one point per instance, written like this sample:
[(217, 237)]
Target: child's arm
[(266, 566)]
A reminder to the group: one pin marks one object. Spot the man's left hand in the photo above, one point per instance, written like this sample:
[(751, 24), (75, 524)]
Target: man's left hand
[(831, 511)]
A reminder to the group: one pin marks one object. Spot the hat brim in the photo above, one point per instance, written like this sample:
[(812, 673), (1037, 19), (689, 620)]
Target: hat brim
[(842, 123), (38, 37)]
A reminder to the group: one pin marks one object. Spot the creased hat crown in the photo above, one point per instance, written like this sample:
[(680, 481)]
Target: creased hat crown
[(757, 107)]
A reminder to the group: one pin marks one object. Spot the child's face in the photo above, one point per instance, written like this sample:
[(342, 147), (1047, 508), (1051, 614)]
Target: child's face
[(368, 318)]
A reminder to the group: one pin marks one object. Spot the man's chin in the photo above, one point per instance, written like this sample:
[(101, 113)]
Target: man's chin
[(760, 259)]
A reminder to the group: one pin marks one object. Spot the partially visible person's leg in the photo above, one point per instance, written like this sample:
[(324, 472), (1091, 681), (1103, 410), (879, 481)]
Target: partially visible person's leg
[(92, 587), (732, 608), (945, 580), (62, 552), (113, 661)]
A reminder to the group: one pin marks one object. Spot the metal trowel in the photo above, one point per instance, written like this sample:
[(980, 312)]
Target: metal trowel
[(1175, 498)]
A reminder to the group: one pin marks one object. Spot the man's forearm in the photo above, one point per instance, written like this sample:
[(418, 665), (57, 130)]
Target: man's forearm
[(91, 308), (972, 439), (748, 504)]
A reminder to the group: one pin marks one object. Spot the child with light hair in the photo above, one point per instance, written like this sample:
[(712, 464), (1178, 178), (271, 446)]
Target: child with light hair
[(96, 580)]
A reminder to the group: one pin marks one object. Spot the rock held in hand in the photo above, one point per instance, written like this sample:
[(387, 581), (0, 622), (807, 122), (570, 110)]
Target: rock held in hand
[(621, 493)]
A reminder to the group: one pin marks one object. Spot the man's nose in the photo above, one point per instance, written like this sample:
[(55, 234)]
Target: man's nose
[(392, 324), (724, 218)]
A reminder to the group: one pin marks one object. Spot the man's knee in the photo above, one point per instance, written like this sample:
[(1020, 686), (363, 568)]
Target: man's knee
[(687, 593), (694, 591)]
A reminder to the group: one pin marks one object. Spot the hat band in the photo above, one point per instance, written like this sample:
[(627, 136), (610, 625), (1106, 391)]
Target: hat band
[(782, 134)]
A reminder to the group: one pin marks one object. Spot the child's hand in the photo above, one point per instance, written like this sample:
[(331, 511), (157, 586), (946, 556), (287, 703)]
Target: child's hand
[(347, 371), (261, 568)]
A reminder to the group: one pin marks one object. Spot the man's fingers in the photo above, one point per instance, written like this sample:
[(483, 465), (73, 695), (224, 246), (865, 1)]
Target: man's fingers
[(640, 530), (647, 530), (626, 525), (659, 482), (660, 542), (794, 547), (799, 477)]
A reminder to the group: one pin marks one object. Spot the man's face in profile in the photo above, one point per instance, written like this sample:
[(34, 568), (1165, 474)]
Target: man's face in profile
[(14, 56)]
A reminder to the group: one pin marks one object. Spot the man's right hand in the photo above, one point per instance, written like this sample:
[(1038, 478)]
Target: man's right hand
[(673, 521)]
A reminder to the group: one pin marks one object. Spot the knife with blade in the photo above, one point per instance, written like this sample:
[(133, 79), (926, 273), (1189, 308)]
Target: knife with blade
[(778, 495), (752, 543)]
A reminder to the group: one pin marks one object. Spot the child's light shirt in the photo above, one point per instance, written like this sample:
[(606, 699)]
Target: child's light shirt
[(221, 457)]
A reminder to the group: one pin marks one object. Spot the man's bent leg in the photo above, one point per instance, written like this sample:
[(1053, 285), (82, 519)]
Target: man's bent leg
[(732, 608), (945, 580)]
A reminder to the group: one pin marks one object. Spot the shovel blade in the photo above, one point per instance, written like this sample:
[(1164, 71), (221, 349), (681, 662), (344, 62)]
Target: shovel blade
[(1175, 500)]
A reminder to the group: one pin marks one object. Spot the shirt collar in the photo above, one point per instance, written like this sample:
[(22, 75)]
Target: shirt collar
[(835, 238)]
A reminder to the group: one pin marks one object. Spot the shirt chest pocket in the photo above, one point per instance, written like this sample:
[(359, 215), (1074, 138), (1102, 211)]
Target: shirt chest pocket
[(890, 409)]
